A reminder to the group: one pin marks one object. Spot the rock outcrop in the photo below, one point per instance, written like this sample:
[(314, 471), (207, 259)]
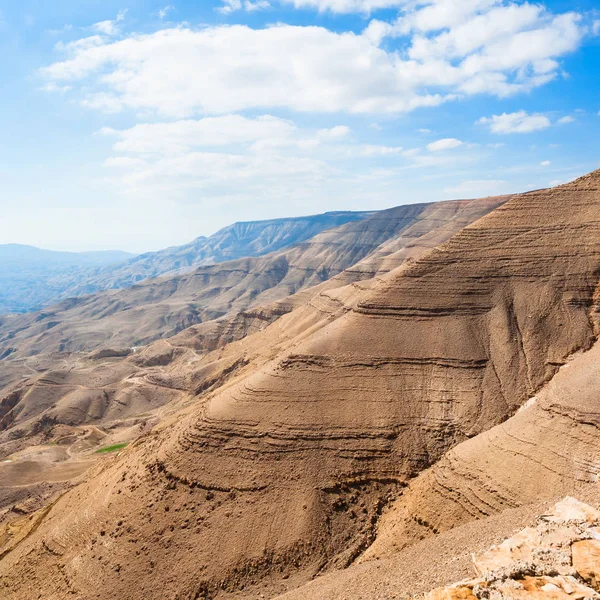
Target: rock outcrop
[(557, 558)]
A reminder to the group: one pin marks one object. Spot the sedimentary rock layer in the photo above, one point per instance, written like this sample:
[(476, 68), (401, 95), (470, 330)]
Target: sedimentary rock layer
[(288, 469)]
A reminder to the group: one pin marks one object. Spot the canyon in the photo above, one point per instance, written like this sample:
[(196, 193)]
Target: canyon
[(350, 416)]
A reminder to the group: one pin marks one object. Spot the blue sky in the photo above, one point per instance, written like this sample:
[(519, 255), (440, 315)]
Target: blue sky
[(138, 125)]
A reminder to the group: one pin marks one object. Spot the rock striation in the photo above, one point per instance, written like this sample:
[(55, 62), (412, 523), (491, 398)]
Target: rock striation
[(285, 470)]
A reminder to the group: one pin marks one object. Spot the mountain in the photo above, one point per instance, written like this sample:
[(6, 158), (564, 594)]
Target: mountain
[(162, 307), (31, 278), (19, 254), (63, 391), (240, 240), (368, 427)]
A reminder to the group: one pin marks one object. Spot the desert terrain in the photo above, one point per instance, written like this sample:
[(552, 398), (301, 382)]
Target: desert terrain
[(353, 416)]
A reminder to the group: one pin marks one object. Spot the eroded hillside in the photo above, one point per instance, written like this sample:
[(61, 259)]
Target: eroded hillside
[(284, 471)]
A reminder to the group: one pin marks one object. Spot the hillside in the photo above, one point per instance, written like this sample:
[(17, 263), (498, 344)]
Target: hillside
[(240, 240), (399, 401), (162, 307), (33, 279)]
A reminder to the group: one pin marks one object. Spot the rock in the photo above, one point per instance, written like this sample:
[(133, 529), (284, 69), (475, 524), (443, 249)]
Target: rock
[(453, 593), (569, 509), (539, 562), (586, 561)]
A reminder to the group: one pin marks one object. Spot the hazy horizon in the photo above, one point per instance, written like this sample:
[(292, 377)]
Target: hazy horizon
[(141, 125)]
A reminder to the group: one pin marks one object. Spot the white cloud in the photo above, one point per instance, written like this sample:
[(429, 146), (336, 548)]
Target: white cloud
[(164, 12), (374, 150), (256, 5), (109, 28), (335, 133), (55, 88), (545, 163), (444, 144), (424, 131), (346, 6), (186, 135), (565, 120), (449, 50), (517, 122), (242, 156), (230, 6), (123, 162)]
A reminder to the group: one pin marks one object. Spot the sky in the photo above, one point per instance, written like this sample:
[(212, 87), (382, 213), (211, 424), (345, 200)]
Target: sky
[(138, 125)]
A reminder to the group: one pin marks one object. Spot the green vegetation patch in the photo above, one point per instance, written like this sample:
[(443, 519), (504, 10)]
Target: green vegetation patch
[(112, 448)]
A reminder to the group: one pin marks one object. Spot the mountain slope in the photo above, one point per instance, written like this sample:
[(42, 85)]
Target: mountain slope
[(286, 470), (245, 239), (31, 278), (34, 278), (67, 388), (162, 307)]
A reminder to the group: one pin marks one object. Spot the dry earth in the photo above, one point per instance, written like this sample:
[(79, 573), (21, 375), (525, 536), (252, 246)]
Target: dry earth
[(370, 426)]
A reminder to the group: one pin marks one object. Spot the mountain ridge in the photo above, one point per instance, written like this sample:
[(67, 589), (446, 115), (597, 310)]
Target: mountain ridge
[(33, 278)]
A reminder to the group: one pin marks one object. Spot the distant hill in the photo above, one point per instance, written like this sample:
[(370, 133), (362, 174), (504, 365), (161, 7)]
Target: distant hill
[(240, 240), (31, 278), (20, 254)]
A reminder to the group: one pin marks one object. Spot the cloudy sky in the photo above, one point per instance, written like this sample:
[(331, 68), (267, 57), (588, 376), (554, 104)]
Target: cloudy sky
[(139, 124)]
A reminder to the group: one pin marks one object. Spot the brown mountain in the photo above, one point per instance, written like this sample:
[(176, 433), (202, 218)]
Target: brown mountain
[(162, 307), (31, 279), (397, 396), (240, 240)]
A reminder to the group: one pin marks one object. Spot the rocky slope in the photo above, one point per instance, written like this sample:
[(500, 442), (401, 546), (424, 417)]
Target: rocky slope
[(162, 307), (283, 471), (559, 557), (245, 239)]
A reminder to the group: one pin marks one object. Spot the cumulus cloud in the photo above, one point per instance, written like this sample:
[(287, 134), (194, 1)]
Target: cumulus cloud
[(109, 27), (444, 144), (545, 163), (448, 50), (565, 120), (517, 122)]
